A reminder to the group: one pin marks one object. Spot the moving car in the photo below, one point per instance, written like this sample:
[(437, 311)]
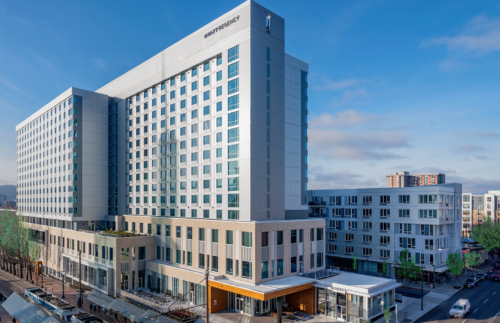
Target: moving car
[(495, 275), (482, 276), (460, 308), (471, 282)]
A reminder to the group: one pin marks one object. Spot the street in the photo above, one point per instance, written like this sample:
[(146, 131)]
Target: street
[(484, 300)]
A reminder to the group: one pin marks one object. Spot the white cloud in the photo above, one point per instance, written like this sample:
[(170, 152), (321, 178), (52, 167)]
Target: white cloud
[(341, 119), (475, 185), (486, 134), (465, 149), (481, 35), (328, 84), (348, 96), (356, 145), (319, 178)]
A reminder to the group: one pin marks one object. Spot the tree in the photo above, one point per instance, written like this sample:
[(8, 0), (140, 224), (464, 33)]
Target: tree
[(473, 259), (384, 267), (487, 234), (406, 266), (387, 314), (456, 264), (355, 263)]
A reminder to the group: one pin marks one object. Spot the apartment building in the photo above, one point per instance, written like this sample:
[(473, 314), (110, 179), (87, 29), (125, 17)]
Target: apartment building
[(404, 179), (478, 208), (194, 161), (376, 224)]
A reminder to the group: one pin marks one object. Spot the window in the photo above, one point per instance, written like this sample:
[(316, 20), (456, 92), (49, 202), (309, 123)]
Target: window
[(384, 213), (332, 248), (206, 95), (219, 91), (404, 228), (233, 151), (367, 212), (404, 213), (206, 66), (427, 199), (349, 250), (265, 239), (194, 86), (233, 168), (246, 239), (385, 253), (233, 200), (367, 252), (385, 240), (404, 198), (233, 86), (385, 199), (429, 244), (233, 184), (233, 102), (233, 70), (279, 238), (279, 269), (431, 214), (367, 238), (385, 226), (233, 53), (349, 237), (332, 236), (367, 225), (246, 269), (233, 135), (206, 81), (265, 269), (407, 243), (233, 119)]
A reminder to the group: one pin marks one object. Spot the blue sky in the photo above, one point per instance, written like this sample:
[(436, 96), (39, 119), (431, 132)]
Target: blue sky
[(394, 85)]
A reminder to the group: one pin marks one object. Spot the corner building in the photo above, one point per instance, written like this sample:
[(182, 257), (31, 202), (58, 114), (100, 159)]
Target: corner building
[(199, 154)]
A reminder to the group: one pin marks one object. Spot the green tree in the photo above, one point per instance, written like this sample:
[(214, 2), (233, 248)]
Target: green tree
[(355, 263), (456, 264), (384, 267), (406, 266), (473, 259), (387, 314), (488, 235)]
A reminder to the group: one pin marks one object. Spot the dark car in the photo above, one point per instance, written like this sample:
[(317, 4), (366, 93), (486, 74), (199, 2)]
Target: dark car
[(471, 282), (482, 276), (495, 275)]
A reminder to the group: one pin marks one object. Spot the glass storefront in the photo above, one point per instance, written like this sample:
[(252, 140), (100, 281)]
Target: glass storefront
[(243, 304), (347, 307)]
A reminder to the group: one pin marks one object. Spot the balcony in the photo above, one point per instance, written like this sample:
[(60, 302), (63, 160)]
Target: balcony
[(317, 215)]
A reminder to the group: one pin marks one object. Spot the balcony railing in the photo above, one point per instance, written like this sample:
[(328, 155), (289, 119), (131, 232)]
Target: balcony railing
[(317, 203)]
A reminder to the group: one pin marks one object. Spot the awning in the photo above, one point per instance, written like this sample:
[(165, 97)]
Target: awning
[(265, 291), (25, 312)]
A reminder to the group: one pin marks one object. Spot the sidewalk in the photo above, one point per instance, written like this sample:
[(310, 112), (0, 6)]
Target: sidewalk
[(432, 300)]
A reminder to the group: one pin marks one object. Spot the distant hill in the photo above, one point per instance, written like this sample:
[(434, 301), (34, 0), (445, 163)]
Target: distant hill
[(9, 190)]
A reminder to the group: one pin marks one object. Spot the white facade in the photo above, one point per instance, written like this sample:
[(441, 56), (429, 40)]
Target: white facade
[(377, 224)]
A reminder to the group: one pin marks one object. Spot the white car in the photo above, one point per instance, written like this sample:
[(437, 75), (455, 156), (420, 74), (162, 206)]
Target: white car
[(460, 308)]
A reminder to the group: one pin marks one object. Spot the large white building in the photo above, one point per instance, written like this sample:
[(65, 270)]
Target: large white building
[(199, 153)]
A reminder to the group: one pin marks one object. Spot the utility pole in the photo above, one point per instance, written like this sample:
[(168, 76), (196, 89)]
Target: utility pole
[(206, 296), (422, 291), (80, 300)]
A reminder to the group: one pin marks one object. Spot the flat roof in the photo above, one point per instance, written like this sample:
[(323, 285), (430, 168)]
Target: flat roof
[(358, 283), (270, 286)]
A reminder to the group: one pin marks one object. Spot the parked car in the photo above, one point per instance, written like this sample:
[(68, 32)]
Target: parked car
[(482, 276), (495, 275), (471, 282), (460, 308)]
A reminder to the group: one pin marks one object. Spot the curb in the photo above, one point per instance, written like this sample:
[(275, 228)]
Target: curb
[(432, 309)]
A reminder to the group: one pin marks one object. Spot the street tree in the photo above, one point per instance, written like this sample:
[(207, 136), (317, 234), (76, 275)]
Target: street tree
[(488, 235), (355, 263), (455, 264), (406, 267), (387, 314), (473, 259)]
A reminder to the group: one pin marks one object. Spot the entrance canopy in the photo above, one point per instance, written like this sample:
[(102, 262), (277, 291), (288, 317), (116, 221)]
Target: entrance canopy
[(357, 284), (265, 291)]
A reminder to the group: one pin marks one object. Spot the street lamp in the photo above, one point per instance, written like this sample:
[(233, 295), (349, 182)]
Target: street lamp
[(63, 276), (422, 290)]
